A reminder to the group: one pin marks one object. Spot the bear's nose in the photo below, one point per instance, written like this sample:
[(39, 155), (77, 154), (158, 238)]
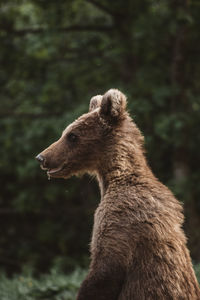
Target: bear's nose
[(40, 158)]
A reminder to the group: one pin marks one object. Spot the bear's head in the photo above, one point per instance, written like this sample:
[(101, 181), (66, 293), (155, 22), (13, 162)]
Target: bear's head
[(86, 143)]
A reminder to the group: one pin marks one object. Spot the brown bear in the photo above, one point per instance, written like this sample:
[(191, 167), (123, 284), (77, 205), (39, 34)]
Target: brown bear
[(138, 247)]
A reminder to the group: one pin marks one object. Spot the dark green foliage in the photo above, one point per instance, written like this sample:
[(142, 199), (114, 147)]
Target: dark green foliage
[(55, 286), (197, 270), (54, 57)]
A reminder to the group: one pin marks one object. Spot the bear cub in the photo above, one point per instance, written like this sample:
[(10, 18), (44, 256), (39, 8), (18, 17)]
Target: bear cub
[(138, 247)]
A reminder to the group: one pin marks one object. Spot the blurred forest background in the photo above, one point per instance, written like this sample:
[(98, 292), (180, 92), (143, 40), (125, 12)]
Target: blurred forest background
[(56, 55)]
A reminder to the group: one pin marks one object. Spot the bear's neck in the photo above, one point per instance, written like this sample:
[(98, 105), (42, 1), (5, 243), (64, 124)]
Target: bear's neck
[(125, 165)]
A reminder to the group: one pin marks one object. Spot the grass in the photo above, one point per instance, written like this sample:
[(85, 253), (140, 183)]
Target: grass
[(54, 286)]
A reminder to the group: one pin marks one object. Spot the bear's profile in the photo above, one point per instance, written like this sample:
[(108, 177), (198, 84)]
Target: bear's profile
[(138, 248)]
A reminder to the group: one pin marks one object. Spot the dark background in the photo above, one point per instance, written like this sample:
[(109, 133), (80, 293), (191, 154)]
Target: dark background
[(56, 55)]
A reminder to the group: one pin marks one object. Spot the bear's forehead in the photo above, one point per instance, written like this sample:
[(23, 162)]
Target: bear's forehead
[(83, 121)]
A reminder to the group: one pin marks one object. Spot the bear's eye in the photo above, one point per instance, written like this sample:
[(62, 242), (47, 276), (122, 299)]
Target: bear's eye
[(71, 137)]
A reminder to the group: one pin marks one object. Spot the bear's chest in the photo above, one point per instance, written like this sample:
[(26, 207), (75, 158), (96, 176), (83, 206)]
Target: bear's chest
[(99, 228)]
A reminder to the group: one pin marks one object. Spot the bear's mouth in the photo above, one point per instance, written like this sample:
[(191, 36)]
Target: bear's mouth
[(52, 172)]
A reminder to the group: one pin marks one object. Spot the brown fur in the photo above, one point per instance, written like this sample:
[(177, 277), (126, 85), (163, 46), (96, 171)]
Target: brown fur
[(138, 248)]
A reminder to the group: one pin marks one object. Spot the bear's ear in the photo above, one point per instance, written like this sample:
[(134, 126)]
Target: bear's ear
[(95, 102), (113, 104)]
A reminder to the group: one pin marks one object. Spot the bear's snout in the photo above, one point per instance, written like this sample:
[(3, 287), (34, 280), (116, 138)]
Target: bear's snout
[(50, 160), (40, 158)]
